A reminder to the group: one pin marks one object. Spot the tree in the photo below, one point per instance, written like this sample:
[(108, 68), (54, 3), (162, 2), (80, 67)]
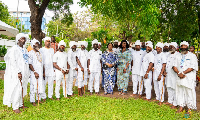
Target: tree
[(61, 7), (4, 14)]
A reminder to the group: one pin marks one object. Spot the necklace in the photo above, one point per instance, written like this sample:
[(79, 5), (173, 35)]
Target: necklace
[(39, 56)]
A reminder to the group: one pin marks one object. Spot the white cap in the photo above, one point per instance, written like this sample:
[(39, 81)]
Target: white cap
[(159, 44), (19, 36), (184, 43), (99, 43), (33, 42), (85, 43), (61, 43), (47, 38), (166, 44), (174, 44), (95, 41), (150, 45), (72, 43), (148, 42), (116, 41), (138, 43)]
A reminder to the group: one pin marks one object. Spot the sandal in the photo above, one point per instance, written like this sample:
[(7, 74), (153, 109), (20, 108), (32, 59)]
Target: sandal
[(105, 93)]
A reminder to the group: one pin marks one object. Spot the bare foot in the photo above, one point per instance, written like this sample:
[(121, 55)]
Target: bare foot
[(90, 93), (34, 104), (155, 100), (133, 95), (167, 103), (160, 103), (173, 107), (57, 99), (44, 100), (17, 111), (51, 98), (180, 110), (24, 107)]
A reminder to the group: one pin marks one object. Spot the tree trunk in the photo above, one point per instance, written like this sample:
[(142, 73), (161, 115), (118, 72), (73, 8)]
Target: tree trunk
[(36, 19)]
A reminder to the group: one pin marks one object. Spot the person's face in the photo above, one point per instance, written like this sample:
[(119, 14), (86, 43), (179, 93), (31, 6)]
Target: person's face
[(73, 48), (82, 47), (110, 47), (191, 49), (53, 39), (21, 41), (159, 50), (172, 49), (62, 48), (47, 43), (184, 49), (95, 46), (36, 46), (99, 46), (137, 47), (143, 44), (116, 44), (124, 45), (165, 49), (148, 49)]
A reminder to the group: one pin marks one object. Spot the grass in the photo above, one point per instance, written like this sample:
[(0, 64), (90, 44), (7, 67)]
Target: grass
[(92, 107)]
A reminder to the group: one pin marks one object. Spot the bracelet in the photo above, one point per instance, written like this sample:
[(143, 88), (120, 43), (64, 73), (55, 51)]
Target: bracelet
[(147, 73), (182, 73), (179, 73), (34, 72)]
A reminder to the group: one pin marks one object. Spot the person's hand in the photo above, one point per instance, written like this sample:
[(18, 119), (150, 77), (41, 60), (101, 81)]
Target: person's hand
[(124, 70), (63, 71), (117, 69), (36, 75), (20, 76), (67, 71), (76, 69), (165, 74), (82, 69), (146, 76), (107, 64), (152, 69), (159, 77), (44, 74), (88, 71), (110, 65), (181, 76)]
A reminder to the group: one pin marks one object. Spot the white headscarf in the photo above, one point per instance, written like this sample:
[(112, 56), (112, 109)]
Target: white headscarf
[(47, 38), (99, 43), (72, 43), (148, 42), (159, 44), (33, 42), (95, 41), (184, 43), (116, 41), (61, 43), (166, 44), (138, 43), (174, 44), (85, 43), (19, 36), (150, 45)]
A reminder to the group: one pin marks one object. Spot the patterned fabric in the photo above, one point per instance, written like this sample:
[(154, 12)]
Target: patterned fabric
[(182, 61), (109, 73), (123, 78)]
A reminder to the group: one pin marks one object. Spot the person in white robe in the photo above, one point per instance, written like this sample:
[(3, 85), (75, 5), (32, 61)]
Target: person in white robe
[(116, 46), (166, 49), (82, 55), (171, 76), (72, 54), (60, 62), (185, 66), (48, 53), (146, 70), (37, 69), (94, 67), (158, 77), (137, 57), (16, 74)]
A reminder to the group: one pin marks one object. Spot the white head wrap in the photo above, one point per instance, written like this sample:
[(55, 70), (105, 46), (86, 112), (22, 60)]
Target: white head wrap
[(138, 43), (95, 41), (150, 45), (79, 44), (85, 43), (166, 44), (184, 43), (159, 44), (61, 43), (174, 44), (148, 42), (116, 41), (20, 35), (47, 38), (99, 43), (33, 42), (72, 43), (133, 45)]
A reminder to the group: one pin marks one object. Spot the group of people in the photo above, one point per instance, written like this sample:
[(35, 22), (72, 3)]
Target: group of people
[(164, 66)]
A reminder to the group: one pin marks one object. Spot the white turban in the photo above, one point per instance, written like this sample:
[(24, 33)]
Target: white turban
[(72, 43), (33, 42), (47, 38), (61, 43), (150, 45), (84, 43), (148, 42), (116, 41), (79, 43), (184, 43), (166, 44), (174, 44), (99, 43), (95, 41), (159, 44), (19, 36), (138, 43)]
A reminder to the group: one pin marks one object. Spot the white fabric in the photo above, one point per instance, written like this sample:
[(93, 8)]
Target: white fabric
[(171, 96), (160, 45), (148, 42), (159, 89), (61, 43), (148, 58), (166, 44), (95, 57), (47, 38), (34, 94), (116, 50), (135, 80), (96, 76), (33, 42), (150, 45), (116, 41), (15, 63), (64, 84), (184, 43), (138, 43), (137, 57), (85, 43), (174, 44), (19, 36), (95, 41), (50, 81), (99, 43), (148, 85)]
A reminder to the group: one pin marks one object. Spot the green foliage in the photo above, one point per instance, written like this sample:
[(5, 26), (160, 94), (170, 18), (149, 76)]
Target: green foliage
[(3, 50), (89, 47), (4, 14), (2, 65)]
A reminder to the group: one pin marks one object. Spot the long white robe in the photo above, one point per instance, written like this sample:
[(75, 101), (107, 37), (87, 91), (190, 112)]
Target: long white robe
[(16, 61)]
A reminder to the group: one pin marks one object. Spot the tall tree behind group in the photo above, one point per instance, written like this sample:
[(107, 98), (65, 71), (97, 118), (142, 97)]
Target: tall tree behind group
[(60, 7)]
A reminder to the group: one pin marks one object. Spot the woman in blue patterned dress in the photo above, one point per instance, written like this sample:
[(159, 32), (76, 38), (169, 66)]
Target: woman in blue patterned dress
[(109, 61), (124, 57)]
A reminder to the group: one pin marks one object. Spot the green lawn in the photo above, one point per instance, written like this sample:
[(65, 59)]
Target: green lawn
[(92, 107)]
